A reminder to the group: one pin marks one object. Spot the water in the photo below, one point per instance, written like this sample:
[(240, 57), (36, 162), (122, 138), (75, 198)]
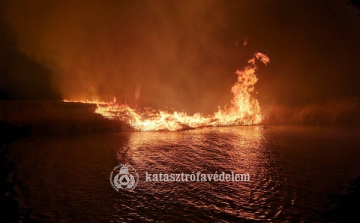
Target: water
[(296, 174)]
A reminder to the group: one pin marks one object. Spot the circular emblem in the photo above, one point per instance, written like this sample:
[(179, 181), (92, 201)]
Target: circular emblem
[(124, 177)]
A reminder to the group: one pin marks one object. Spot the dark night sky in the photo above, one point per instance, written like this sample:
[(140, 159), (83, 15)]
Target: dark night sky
[(180, 54)]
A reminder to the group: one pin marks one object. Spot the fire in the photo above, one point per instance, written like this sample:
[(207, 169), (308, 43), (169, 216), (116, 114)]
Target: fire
[(244, 109)]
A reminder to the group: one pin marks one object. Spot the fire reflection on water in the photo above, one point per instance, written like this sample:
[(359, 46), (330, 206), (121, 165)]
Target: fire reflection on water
[(240, 150)]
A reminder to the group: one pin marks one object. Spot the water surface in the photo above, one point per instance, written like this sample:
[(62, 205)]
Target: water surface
[(296, 174)]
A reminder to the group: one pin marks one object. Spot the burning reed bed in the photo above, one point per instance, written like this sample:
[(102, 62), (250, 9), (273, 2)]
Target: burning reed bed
[(54, 118), (19, 119), (343, 112)]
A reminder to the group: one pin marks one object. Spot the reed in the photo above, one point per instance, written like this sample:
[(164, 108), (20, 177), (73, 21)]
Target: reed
[(343, 112), (19, 119), (54, 118)]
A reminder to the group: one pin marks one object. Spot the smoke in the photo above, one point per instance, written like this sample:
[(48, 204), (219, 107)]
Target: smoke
[(184, 54), (101, 49)]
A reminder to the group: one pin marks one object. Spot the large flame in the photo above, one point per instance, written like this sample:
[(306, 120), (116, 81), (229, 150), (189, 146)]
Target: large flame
[(244, 110)]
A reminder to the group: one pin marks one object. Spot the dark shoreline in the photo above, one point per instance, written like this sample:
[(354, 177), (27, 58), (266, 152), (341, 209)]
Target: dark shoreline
[(19, 119)]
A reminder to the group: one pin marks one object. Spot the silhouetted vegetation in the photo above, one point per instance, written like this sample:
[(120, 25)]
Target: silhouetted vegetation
[(335, 112), (34, 118), (19, 119)]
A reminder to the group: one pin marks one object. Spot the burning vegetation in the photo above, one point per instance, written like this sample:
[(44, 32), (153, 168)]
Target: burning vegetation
[(173, 53), (244, 109)]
